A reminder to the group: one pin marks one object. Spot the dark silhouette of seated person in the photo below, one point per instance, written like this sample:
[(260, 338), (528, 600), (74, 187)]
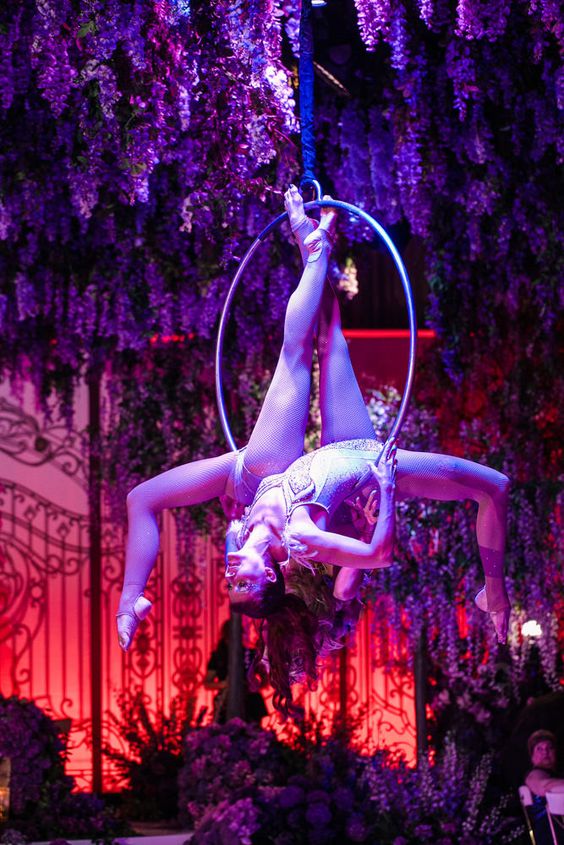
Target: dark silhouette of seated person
[(216, 678), (543, 778)]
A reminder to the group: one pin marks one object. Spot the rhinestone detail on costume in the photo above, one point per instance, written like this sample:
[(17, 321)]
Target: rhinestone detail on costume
[(356, 445), (299, 477)]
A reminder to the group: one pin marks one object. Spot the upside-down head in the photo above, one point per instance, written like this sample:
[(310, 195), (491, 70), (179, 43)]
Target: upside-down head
[(255, 583)]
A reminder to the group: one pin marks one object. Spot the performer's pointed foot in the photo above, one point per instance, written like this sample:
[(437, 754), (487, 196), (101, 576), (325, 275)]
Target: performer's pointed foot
[(328, 220), (128, 620), (300, 224), (500, 618), (322, 238), (294, 205)]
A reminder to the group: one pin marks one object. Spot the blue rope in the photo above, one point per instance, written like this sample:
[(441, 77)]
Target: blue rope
[(305, 75)]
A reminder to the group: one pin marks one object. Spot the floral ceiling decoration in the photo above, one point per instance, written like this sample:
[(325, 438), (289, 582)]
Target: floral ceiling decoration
[(143, 145)]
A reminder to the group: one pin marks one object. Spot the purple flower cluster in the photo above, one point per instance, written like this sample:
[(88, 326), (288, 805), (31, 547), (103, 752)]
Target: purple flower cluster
[(374, 18), (222, 762), (228, 823), (41, 802), (466, 141), (138, 148), (31, 741), (329, 793)]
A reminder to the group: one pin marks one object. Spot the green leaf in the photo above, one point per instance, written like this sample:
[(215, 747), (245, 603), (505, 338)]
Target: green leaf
[(86, 29)]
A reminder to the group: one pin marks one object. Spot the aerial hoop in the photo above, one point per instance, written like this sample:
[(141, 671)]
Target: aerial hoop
[(385, 238)]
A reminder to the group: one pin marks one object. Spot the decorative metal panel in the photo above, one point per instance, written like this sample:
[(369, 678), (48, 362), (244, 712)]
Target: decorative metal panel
[(45, 618)]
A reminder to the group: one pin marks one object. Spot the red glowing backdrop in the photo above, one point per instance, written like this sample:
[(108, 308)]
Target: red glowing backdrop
[(45, 646)]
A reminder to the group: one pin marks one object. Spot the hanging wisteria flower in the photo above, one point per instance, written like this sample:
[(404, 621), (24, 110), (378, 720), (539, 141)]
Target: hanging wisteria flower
[(348, 279), (143, 146), (374, 17)]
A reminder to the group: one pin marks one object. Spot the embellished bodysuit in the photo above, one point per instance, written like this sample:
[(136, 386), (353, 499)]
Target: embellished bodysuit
[(326, 477), (329, 478)]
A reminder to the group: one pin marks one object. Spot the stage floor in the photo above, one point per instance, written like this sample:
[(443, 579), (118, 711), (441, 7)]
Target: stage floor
[(153, 839)]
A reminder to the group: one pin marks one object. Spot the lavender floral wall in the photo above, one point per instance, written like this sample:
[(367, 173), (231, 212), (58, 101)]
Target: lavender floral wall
[(142, 145)]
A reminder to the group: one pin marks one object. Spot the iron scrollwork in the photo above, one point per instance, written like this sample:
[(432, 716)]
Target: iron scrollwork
[(25, 441)]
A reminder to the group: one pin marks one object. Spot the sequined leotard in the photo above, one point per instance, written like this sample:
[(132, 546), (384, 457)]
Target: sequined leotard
[(326, 477), (329, 477)]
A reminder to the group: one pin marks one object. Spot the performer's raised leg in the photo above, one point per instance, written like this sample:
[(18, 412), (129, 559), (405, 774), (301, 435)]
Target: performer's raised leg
[(343, 411), (278, 436)]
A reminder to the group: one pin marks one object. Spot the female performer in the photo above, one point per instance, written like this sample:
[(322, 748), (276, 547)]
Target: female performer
[(296, 517)]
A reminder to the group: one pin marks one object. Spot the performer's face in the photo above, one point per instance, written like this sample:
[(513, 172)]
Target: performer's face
[(248, 570)]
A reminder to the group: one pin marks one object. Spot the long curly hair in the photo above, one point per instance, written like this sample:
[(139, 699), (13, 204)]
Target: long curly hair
[(298, 621), (306, 624)]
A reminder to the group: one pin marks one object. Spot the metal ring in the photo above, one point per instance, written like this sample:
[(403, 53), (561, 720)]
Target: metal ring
[(383, 235), (314, 184)]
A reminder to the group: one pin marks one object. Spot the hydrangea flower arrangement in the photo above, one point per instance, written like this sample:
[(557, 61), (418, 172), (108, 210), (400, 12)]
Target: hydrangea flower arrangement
[(31, 740), (41, 802), (224, 761), (329, 793)]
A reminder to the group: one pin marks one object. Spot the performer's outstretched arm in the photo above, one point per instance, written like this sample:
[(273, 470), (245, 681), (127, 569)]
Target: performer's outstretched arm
[(447, 478), (190, 484)]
